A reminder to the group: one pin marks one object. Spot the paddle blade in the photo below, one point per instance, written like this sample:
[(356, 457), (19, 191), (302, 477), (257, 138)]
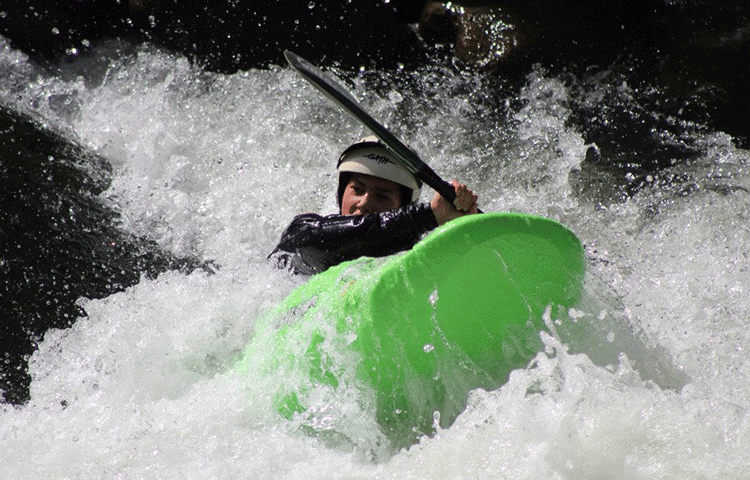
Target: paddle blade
[(340, 96)]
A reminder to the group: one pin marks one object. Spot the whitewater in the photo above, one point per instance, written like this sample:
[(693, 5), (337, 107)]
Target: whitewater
[(214, 166)]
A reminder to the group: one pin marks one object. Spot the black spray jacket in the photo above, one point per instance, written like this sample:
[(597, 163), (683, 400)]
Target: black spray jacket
[(314, 243)]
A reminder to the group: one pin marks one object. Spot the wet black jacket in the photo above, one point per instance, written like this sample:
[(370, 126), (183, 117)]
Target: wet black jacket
[(314, 243)]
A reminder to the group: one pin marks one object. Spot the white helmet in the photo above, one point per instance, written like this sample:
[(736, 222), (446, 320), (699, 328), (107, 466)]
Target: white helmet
[(370, 157)]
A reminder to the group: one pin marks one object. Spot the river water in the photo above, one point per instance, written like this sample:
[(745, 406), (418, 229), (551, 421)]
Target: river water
[(215, 166)]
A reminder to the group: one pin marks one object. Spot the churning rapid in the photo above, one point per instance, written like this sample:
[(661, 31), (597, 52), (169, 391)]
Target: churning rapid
[(214, 166)]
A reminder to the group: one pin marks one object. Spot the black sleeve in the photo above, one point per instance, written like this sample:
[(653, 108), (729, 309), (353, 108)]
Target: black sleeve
[(313, 243)]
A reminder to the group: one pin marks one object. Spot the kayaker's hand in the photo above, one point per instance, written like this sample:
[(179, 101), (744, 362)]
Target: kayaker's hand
[(464, 204)]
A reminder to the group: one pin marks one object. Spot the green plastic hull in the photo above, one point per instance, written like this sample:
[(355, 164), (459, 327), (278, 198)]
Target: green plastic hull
[(459, 311)]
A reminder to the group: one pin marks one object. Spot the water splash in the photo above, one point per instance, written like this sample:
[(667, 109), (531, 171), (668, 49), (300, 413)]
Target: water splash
[(218, 165)]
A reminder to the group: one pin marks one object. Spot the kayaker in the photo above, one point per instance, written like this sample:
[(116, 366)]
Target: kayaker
[(379, 213)]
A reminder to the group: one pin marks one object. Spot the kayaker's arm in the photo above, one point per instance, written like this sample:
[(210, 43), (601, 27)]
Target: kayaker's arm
[(314, 243)]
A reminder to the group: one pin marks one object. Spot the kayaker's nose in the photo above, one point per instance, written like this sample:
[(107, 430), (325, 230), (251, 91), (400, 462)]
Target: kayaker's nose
[(365, 204)]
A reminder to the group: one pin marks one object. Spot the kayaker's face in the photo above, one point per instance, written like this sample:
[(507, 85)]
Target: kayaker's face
[(367, 194)]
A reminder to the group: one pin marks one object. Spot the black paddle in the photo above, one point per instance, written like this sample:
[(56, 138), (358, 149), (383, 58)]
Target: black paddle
[(338, 94)]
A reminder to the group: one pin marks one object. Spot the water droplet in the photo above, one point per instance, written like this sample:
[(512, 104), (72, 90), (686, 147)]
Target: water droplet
[(433, 298), (428, 348), (311, 5)]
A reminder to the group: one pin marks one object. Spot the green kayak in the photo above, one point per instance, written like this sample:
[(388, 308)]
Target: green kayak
[(414, 333)]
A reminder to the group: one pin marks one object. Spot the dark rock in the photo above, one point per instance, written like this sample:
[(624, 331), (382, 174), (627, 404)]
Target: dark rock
[(482, 37), (58, 242)]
